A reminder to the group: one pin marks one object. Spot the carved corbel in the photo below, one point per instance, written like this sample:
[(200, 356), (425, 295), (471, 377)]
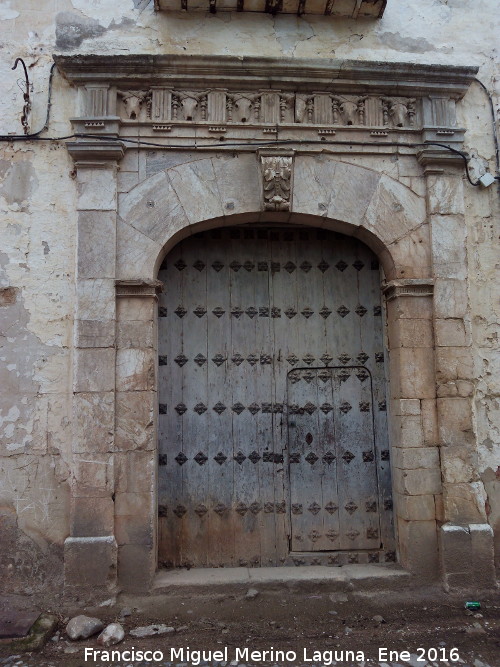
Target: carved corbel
[(277, 172)]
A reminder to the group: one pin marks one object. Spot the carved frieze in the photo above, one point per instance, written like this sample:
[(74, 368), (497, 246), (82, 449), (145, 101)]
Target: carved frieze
[(242, 107), (161, 105), (189, 106), (348, 111), (177, 99), (95, 100), (274, 107), (222, 110), (133, 101), (398, 112)]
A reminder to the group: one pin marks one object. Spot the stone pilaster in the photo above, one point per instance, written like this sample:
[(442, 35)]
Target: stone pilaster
[(90, 551), (464, 512), (136, 503), (415, 456)]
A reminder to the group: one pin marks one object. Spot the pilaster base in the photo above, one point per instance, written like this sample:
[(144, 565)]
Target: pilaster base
[(90, 567), (467, 557)]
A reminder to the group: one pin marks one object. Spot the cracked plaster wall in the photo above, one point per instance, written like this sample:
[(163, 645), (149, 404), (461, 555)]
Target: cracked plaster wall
[(38, 219)]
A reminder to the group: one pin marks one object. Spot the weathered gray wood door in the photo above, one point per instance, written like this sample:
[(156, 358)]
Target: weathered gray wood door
[(273, 436), (333, 476)]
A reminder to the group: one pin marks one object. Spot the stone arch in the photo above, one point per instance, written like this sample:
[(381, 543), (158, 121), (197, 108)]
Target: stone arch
[(387, 215), (215, 191)]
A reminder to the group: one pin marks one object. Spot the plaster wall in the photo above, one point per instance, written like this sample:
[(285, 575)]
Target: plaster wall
[(38, 205)]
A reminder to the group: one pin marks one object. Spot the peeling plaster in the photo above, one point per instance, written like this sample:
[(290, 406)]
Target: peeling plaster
[(406, 44), (72, 29), (37, 202), (290, 31), (6, 12), (24, 364), (33, 501), (105, 12), (19, 182)]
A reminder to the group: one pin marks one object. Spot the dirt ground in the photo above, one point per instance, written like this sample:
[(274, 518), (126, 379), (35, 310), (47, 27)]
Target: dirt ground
[(293, 622)]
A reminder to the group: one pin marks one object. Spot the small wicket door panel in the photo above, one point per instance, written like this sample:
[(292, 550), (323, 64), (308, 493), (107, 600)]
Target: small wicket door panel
[(332, 458), (255, 324)]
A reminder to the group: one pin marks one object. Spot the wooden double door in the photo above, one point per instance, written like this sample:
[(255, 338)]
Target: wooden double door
[(272, 418)]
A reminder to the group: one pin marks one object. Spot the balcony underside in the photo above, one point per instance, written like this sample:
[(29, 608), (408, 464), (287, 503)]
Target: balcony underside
[(346, 8)]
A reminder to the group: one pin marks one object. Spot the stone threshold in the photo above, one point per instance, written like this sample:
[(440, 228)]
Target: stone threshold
[(312, 578)]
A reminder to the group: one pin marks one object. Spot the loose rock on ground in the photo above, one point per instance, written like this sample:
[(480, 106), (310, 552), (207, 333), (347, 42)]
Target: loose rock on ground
[(83, 627), (151, 630), (111, 635)]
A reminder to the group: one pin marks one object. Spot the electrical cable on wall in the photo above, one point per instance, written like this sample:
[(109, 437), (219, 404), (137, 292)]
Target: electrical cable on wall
[(493, 120), (255, 143), (26, 96)]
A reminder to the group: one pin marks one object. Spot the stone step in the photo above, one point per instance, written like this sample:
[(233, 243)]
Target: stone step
[(311, 579)]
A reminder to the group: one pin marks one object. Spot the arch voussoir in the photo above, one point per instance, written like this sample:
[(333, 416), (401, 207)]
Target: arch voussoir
[(220, 190)]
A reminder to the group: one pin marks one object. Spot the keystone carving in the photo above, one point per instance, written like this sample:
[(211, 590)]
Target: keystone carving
[(277, 180)]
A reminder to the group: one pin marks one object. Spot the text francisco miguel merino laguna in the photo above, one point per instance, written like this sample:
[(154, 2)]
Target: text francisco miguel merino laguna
[(197, 657)]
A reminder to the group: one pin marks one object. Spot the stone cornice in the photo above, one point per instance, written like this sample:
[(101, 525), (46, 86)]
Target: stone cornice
[(253, 73)]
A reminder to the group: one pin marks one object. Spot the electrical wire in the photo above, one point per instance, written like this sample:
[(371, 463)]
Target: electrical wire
[(35, 136), (493, 120), (26, 95), (240, 144)]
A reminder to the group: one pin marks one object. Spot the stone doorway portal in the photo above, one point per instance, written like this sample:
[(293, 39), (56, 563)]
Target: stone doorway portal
[(272, 417)]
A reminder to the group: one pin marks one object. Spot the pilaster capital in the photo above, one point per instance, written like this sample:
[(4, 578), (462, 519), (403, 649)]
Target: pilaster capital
[(408, 287), (436, 160), (95, 153), (138, 288)]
